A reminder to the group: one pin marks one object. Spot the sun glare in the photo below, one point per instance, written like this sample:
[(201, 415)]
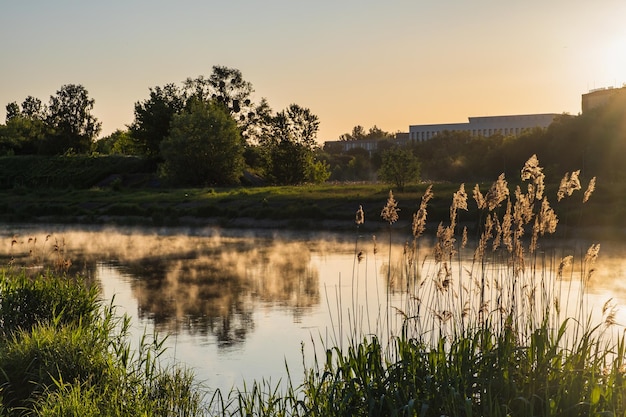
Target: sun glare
[(616, 61)]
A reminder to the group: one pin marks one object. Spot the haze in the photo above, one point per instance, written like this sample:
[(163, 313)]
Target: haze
[(389, 64)]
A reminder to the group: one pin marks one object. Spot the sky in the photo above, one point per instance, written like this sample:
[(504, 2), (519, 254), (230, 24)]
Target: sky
[(388, 64)]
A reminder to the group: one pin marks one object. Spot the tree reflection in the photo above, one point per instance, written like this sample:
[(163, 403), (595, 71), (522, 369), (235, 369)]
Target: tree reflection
[(202, 285), (217, 291)]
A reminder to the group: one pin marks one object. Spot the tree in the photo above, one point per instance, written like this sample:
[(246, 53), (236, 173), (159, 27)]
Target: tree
[(359, 133), (13, 111), (22, 136), (69, 116), (227, 87), (203, 147), (289, 146), (33, 108), (117, 143), (399, 167), (153, 117)]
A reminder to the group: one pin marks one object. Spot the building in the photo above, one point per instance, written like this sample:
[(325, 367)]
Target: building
[(485, 126), (599, 97)]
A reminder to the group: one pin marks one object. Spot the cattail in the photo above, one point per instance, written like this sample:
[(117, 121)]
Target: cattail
[(590, 189), (360, 216), (390, 211)]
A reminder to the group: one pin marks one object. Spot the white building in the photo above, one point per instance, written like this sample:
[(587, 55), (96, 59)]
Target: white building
[(485, 126)]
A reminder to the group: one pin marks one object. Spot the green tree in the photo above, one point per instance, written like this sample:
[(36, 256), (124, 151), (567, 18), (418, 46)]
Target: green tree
[(70, 119), (13, 110), (289, 146), (203, 147), (227, 87), (119, 142), (25, 128), (399, 167), (153, 117), (33, 108)]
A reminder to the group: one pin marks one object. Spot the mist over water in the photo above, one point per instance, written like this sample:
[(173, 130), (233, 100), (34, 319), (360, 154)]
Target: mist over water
[(239, 305)]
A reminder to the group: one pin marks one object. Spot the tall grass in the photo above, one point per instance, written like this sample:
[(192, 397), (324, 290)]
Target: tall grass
[(481, 331), (63, 354)]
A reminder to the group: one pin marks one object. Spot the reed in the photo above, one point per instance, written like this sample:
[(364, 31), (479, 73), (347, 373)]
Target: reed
[(481, 331)]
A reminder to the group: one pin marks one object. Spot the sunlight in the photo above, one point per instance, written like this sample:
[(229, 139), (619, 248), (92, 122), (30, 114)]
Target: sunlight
[(615, 58)]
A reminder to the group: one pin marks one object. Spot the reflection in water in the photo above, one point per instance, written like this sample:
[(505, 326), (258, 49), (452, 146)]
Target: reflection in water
[(228, 299), (200, 284), (215, 290)]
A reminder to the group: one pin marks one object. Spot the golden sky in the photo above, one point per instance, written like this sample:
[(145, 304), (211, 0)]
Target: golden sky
[(390, 64)]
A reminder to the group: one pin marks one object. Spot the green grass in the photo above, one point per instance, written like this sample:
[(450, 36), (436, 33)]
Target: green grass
[(63, 354), (328, 206), (482, 332)]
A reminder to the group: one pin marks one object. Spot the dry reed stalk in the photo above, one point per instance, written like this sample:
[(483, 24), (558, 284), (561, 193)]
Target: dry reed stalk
[(459, 202), (419, 218), (390, 211), (498, 192), (569, 184), (590, 189), (360, 216)]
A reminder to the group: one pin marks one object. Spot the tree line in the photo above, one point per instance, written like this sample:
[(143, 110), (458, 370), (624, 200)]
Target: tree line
[(594, 142), (206, 131)]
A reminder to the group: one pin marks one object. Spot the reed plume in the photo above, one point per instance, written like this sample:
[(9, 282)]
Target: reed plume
[(360, 216), (498, 192), (419, 218), (569, 184), (590, 189), (479, 198), (390, 211)]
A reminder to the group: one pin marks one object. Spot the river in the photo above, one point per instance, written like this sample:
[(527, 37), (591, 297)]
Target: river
[(240, 306)]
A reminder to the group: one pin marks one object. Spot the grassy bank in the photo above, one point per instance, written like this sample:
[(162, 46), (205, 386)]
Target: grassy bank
[(326, 206), (62, 353), (483, 331)]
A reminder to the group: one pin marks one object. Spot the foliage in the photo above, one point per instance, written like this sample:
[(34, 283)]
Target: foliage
[(62, 172), (119, 142), (27, 303), (69, 118), (80, 361), (22, 135), (359, 133), (227, 87), (288, 146), (399, 167), (204, 147), (153, 117), (65, 125)]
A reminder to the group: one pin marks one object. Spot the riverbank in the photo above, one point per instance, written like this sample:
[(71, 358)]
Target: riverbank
[(317, 207)]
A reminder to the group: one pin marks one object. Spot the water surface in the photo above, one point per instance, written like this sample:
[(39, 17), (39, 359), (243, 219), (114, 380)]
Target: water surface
[(241, 305)]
